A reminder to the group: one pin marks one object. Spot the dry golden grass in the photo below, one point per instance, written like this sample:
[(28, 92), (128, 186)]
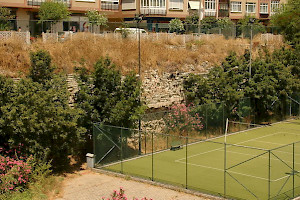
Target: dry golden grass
[(165, 54)]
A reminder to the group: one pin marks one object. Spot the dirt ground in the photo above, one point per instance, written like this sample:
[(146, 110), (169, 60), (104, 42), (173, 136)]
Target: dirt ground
[(88, 185)]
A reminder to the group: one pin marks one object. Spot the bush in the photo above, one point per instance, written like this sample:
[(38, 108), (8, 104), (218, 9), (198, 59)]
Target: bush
[(121, 196), (108, 97), (14, 174), (182, 119), (176, 25), (41, 69)]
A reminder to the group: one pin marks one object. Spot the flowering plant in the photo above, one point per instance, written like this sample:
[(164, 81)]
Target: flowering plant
[(14, 169), (121, 196), (182, 119)]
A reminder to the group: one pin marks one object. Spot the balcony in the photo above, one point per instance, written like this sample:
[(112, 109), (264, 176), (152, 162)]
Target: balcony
[(110, 5), (154, 11), (223, 13), (210, 13), (39, 2)]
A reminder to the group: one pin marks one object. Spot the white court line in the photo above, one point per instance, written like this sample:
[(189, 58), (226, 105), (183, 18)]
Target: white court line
[(229, 145), (265, 179), (265, 157), (254, 139)]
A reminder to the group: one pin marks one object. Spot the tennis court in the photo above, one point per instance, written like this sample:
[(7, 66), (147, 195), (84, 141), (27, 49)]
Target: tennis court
[(256, 162)]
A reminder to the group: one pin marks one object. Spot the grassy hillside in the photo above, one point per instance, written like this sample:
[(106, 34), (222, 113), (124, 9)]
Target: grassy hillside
[(164, 55)]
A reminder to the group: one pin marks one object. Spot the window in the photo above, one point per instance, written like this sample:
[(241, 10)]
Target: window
[(176, 4), (250, 7), (263, 8), (153, 3), (109, 4), (210, 7), (274, 6), (87, 0), (128, 5), (236, 6)]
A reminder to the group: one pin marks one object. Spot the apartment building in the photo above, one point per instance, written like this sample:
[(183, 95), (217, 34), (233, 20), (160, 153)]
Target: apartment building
[(155, 11)]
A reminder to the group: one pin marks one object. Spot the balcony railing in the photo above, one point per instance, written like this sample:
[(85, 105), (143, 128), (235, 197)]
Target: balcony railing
[(39, 2), (223, 13), (110, 5), (154, 11), (210, 13)]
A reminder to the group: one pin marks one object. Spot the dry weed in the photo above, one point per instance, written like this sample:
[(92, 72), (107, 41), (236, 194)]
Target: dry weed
[(166, 54)]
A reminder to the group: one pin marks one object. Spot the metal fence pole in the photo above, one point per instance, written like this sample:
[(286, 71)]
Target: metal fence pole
[(269, 176), (94, 141), (145, 134), (225, 160), (121, 151), (293, 169), (152, 159), (205, 121), (186, 162)]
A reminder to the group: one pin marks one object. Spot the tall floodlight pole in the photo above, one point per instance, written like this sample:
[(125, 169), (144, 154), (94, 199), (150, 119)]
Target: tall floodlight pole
[(138, 19), (251, 21)]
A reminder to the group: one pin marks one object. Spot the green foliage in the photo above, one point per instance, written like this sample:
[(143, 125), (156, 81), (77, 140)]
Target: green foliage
[(192, 19), (95, 18), (225, 23), (41, 69), (244, 26), (38, 116), (5, 16), (124, 31), (108, 97), (176, 25), (288, 20), (272, 79), (209, 23), (54, 11)]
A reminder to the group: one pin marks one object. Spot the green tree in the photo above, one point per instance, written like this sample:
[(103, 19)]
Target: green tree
[(245, 25), (225, 23), (288, 20), (39, 116), (271, 81), (209, 23), (191, 22), (176, 25), (53, 11), (5, 16), (107, 97), (95, 18), (41, 69)]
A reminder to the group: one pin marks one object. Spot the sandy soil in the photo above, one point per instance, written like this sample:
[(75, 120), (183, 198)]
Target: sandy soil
[(88, 185)]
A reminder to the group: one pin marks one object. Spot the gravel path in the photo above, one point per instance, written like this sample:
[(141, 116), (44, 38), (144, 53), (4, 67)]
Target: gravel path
[(88, 185)]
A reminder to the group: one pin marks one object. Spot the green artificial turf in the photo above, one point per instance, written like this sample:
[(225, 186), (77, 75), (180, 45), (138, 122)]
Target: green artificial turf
[(255, 169)]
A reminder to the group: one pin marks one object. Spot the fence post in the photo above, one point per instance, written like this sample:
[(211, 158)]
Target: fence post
[(186, 162), (121, 151), (206, 119), (293, 169), (269, 176), (225, 160), (152, 158)]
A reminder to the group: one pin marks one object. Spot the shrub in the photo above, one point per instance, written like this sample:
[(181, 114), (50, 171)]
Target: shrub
[(176, 25), (109, 98), (121, 196), (182, 118), (41, 69)]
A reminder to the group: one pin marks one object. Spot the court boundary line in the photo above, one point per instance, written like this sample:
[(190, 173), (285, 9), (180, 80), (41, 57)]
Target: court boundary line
[(218, 169), (197, 142)]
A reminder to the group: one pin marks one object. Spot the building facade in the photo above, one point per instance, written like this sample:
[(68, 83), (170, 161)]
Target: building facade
[(155, 11)]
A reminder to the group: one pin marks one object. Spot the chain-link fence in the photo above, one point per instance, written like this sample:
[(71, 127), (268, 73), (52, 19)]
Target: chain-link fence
[(251, 162), (36, 28)]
